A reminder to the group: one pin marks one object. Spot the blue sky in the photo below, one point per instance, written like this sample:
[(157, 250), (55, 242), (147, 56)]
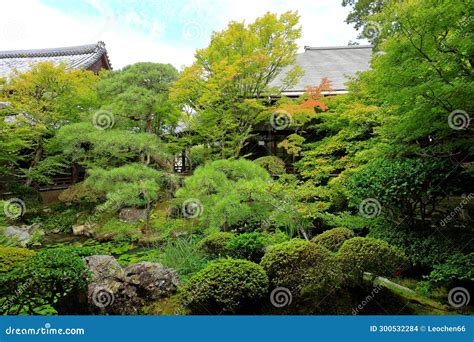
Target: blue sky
[(156, 30)]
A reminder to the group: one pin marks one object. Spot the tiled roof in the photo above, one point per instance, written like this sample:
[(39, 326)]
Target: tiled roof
[(75, 57), (335, 63)]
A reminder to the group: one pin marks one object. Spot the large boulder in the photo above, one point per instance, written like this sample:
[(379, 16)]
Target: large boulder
[(117, 290), (24, 233), (152, 280)]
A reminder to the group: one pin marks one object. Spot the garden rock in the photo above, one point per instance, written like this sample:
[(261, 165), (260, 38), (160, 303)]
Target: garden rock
[(132, 214), (23, 233), (82, 229), (117, 290), (152, 279)]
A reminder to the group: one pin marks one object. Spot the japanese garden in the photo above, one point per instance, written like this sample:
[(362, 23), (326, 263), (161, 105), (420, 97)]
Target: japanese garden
[(259, 180)]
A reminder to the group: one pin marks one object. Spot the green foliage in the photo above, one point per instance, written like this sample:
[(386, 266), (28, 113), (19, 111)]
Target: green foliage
[(250, 246), (91, 147), (344, 140), (226, 286), (406, 188), (132, 185), (361, 10), (274, 165), (422, 76), (226, 83), (232, 192), (119, 231), (59, 221), (457, 268), (303, 267), (138, 94), (12, 256), (47, 278), (215, 245), (424, 248), (184, 256), (359, 255), (41, 100), (334, 238)]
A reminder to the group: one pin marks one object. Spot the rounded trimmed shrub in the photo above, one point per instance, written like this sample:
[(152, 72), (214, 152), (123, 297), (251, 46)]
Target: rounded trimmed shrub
[(302, 266), (51, 277), (250, 246), (226, 286), (215, 244), (12, 256), (334, 238), (359, 255)]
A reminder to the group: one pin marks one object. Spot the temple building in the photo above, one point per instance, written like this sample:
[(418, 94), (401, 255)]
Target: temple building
[(87, 57)]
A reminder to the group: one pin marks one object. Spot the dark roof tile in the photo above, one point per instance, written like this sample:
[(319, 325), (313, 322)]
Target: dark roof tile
[(75, 57)]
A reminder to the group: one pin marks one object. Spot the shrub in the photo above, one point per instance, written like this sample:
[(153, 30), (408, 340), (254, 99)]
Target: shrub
[(359, 255), (47, 279), (334, 238), (423, 248), (457, 268), (215, 244), (405, 187), (248, 246), (229, 193), (12, 256), (226, 286), (301, 266), (274, 165)]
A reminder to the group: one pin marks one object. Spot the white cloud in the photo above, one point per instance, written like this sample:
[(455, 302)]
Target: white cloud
[(29, 24)]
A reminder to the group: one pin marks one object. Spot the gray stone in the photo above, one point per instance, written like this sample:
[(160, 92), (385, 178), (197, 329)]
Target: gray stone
[(19, 233), (152, 279), (115, 290)]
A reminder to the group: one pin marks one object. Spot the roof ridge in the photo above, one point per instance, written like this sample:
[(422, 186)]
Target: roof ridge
[(342, 47), (54, 52)]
